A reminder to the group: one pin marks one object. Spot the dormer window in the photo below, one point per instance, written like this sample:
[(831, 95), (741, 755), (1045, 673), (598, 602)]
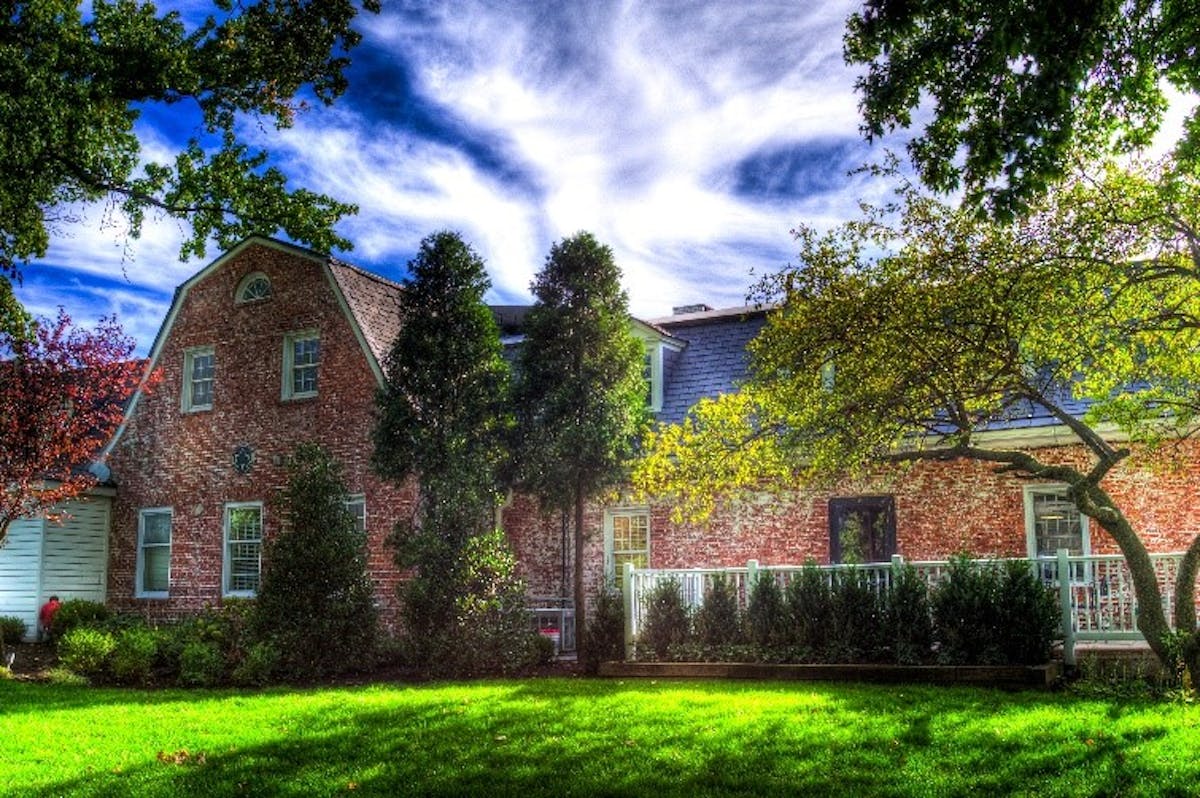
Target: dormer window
[(254, 287)]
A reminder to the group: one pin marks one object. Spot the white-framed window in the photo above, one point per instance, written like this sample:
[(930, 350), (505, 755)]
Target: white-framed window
[(254, 287), (153, 566), (199, 369), (243, 548), (301, 361), (357, 505), (626, 539), (1053, 522)]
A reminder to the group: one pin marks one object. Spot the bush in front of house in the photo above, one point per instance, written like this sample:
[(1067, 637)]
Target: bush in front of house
[(12, 629), (604, 637), (966, 614), (201, 664), (1028, 620), (718, 623), (766, 618), (667, 623), (315, 603), (808, 606), (258, 667), (908, 619), (135, 650), (490, 631), (79, 612), (84, 650), (857, 631)]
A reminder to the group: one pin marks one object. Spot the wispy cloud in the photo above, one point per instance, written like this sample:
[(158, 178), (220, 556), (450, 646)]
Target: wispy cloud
[(689, 136)]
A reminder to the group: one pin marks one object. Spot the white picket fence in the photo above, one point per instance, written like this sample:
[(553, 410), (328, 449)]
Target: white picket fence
[(1096, 595)]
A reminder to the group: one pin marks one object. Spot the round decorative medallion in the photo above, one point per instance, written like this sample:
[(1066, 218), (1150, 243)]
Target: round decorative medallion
[(243, 458)]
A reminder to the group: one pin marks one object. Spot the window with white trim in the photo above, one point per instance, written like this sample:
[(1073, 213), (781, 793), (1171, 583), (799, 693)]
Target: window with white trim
[(301, 361), (199, 368), (357, 505), (153, 553), (626, 539), (243, 548), (1053, 522), (254, 287)]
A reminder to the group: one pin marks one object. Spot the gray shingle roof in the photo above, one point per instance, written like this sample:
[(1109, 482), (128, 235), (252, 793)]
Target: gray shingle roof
[(375, 303), (713, 360)]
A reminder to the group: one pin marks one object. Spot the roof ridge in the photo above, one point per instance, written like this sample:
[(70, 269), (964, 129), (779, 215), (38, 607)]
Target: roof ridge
[(379, 278)]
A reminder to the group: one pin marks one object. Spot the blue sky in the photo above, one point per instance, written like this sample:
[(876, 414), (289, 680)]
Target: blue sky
[(691, 137)]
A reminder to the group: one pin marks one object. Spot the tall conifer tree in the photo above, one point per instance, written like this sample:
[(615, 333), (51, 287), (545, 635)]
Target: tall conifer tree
[(444, 419), (581, 395)]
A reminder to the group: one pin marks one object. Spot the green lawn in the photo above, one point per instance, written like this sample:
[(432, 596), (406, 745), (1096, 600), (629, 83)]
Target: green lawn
[(561, 737)]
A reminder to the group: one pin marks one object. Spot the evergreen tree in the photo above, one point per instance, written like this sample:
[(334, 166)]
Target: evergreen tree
[(444, 419), (315, 603), (581, 396)]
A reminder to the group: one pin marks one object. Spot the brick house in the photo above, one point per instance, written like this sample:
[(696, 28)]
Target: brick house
[(271, 345), (267, 347)]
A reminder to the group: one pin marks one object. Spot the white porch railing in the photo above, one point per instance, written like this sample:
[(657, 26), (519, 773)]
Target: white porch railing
[(1096, 595)]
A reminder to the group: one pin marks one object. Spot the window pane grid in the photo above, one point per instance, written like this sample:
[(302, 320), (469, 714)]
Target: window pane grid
[(305, 360), (154, 568), (358, 509), (243, 549), (156, 564), (630, 543), (202, 379)]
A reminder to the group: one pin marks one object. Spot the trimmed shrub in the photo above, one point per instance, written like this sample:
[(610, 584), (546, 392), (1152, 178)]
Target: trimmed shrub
[(12, 629), (1027, 616), (84, 650), (857, 620), (766, 619), (133, 655), (808, 605), (316, 602), (604, 638), (966, 615), (667, 623), (257, 667), (909, 624), (718, 623), (201, 664), (79, 612)]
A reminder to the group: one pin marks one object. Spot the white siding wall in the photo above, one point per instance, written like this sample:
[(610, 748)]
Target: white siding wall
[(67, 559), (20, 556)]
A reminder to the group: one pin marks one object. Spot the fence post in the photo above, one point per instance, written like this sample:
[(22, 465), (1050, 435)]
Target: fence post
[(627, 603), (1064, 603)]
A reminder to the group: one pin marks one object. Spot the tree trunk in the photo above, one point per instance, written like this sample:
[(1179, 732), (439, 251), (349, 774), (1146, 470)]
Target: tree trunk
[(1185, 611), (580, 597), (1151, 620)]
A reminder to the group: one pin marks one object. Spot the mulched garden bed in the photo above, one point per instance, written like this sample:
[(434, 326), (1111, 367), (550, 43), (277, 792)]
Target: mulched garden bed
[(976, 675)]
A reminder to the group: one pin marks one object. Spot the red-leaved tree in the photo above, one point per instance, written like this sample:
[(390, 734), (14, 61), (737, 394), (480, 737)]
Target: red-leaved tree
[(62, 395)]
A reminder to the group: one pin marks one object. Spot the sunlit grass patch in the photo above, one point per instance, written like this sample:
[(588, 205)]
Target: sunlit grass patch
[(563, 737)]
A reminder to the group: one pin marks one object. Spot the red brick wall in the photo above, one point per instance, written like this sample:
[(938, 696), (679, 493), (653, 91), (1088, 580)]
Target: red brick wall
[(169, 458), (941, 509)]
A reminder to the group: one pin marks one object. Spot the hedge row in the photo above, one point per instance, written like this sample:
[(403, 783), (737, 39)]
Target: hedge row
[(981, 614)]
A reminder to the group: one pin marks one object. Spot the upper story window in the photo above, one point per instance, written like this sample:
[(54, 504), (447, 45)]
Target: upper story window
[(199, 366), (254, 287), (301, 362), (1053, 522)]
